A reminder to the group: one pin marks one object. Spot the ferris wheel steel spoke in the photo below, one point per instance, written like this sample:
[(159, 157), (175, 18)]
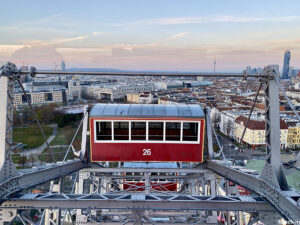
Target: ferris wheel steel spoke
[(287, 99), (65, 157), (219, 144)]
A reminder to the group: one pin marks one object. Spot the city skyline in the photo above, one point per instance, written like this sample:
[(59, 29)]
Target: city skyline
[(141, 35)]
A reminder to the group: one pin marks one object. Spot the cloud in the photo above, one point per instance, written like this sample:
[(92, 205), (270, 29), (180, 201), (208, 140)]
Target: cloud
[(36, 55), (40, 52), (176, 36), (84, 56), (6, 51), (149, 57), (220, 19), (284, 44), (9, 49), (202, 20), (65, 40), (96, 33), (84, 51), (180, 20), (55, 41), (49, 20)]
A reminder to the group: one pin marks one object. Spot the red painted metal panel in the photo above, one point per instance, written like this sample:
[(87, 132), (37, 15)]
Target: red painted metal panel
[(160, 152), (134, 186), (243, 191)]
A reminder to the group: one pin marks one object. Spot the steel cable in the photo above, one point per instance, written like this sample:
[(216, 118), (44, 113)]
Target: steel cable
[(248, 120), (287, 99), (37, 120)]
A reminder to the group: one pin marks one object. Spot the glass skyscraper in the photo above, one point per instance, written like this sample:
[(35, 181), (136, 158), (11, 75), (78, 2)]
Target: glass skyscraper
[(286, 65)]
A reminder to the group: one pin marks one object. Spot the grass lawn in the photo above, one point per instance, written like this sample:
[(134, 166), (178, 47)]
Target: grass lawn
[(59, 154), (293, 179), (64, 135), (31, 135), (256, 165)]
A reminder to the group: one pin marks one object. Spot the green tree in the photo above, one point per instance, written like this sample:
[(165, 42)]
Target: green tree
[(19, 159), (46, 113)]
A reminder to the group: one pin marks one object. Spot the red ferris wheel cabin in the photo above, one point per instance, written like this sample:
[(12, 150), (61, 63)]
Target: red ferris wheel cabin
[(147, 133)]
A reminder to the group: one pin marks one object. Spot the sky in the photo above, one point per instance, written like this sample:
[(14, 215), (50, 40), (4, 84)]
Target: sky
[(173, 35)]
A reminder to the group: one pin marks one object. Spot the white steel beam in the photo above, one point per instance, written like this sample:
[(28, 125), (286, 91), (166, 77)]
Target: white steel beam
[(7, 168), (132, 74), (84, 131), (27, 180), (200, 170), (273, 172), (138, 202), (285, 202)]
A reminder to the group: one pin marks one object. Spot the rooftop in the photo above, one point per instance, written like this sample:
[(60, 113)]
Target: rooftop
[(147, 110), (257, 124)]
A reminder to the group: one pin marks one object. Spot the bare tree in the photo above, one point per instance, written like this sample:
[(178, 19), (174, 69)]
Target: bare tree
[(216, 118), (229, 127), (32, 158)]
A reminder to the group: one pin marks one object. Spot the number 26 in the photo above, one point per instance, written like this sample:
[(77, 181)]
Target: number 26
[(146, 151)]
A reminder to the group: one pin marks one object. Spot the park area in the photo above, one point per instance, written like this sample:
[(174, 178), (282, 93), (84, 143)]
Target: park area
[(31, 135), (65, 134), (33, 140)]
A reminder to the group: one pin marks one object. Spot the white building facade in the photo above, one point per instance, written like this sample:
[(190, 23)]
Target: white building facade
[(74, 89)]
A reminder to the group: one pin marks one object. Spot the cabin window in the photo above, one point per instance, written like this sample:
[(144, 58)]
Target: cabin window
[(121, 130), (149, 131), (190, 132), (103, 130), (156, 131), (172, 131), (138, 131)]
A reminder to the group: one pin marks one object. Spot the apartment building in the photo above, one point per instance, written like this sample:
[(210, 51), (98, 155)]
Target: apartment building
[(255, 132), (40, 95), (141, 98), (74, 89), (293, 140)]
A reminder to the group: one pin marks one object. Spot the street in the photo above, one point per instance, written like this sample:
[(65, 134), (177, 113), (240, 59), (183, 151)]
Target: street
[(245, 154)]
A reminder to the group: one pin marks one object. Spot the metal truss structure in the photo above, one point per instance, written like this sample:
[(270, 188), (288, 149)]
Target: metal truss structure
[(153, 202), (205, 194)]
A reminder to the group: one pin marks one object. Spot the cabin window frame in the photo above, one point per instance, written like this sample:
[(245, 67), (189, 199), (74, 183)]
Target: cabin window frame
[(111, 129), (164, 141), (146, 133), (176, 128), (163, 131), (129, 129)]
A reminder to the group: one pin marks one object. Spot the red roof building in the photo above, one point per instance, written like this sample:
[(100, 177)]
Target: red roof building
[(257, 124), (255, 132)]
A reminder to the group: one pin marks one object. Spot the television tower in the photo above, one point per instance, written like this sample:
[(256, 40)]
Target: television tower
[(63, 65), (215, 62)]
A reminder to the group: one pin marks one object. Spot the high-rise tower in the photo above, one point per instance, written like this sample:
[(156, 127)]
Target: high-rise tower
[(286, 65)]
